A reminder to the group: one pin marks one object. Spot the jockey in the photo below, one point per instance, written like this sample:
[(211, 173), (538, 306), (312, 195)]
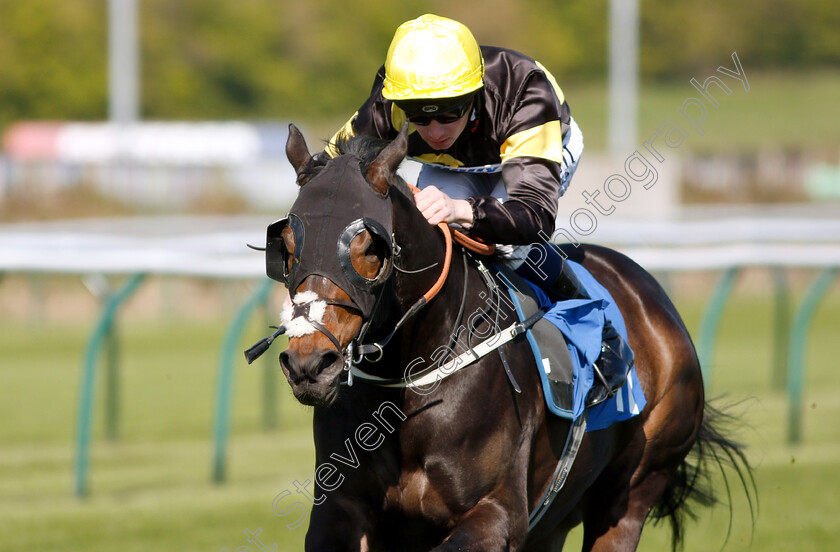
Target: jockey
[(495, 137), (475, 106)]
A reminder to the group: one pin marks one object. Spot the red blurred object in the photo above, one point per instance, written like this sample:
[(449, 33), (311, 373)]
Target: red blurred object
[(32, 141)]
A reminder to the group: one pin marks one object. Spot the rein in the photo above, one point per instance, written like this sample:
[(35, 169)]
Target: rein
[(354, 357), (363, 350), (448, 235), (447, 260), (471, 355), (471, 244)]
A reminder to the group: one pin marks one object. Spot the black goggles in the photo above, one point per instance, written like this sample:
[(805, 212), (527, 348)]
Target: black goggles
[(447, 118)]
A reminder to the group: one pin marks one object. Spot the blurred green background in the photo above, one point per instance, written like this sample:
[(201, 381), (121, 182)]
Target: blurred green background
[(313, 62)]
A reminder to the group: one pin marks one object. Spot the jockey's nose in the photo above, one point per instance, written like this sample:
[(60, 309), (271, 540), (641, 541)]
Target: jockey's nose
[(436, 130), (310, 366)]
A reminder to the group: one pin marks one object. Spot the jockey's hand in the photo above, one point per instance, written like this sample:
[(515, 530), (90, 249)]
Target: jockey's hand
[(438, 207)]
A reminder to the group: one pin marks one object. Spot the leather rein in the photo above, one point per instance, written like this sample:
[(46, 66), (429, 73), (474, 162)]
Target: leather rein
[(449, 234), (354, 354)]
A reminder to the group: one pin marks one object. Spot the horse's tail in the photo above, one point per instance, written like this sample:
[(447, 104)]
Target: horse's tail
[(691, 485)]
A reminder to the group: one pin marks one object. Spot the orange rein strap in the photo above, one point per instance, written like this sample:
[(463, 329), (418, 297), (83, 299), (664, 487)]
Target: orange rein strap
[(366, 349), (471, 244), (447, 259)]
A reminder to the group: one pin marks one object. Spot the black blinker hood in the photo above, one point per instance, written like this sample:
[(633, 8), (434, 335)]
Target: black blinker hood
[(331, 209)]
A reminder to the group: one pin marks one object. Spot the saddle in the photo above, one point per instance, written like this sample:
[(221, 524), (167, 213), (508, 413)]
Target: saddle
[(567, 368), (572, 380)]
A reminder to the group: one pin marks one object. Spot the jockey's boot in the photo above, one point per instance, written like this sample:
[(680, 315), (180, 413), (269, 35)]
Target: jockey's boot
[(616, 359)]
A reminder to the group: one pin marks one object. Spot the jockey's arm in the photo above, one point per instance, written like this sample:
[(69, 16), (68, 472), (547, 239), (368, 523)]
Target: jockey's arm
[(535, 175), (539, 153)]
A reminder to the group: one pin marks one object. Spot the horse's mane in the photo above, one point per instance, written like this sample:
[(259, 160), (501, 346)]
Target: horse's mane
[(366, 148)]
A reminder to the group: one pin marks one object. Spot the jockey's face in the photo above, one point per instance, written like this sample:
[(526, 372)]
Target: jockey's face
[(441, 136)]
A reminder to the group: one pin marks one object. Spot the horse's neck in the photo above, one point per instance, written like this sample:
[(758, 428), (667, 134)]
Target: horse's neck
[(422, 253), (421, 245)]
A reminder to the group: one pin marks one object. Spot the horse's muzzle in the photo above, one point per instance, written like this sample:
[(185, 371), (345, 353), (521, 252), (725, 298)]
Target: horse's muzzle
[(314, 378)]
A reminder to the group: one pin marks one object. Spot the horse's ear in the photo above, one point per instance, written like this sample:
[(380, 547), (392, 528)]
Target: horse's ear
[(296, 150), (381, 172)]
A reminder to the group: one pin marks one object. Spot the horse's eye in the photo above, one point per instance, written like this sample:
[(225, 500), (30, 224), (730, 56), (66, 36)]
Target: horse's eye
[(288, 249), (364, 253), (367, 259)]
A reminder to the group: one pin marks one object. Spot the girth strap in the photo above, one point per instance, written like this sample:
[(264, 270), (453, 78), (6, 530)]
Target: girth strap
[(564, 466)]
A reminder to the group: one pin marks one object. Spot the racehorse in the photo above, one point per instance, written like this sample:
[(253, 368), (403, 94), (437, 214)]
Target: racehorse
[(460, 463)]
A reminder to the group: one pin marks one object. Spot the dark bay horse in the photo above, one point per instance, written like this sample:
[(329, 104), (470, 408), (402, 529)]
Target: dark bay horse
[(460, 464)]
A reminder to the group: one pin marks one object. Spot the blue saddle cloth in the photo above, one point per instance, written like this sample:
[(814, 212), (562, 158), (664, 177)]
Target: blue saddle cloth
[(581, 321)]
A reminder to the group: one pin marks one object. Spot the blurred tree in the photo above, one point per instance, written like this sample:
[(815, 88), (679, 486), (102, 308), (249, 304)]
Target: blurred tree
[(823, 46), (52, 60), (315, 61)]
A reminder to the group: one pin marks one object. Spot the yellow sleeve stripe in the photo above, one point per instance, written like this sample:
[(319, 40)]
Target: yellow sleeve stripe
[(346, 131), (544, 141), (440, 159), (553, 82)]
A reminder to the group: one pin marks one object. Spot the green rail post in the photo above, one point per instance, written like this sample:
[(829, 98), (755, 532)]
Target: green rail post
[(112, 383), (796, 363), (94, 346), (711, 320), (781, 340), (224, 385), (269, 386)]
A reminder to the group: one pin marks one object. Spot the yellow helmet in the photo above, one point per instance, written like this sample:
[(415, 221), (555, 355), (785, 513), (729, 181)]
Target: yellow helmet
[(432, 57)]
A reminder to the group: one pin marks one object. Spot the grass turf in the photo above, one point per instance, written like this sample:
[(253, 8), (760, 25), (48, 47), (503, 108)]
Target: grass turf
[(151, 490)]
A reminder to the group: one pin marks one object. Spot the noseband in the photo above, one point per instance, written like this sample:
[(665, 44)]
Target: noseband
[(359, 289), (306, 313), (301, 312)]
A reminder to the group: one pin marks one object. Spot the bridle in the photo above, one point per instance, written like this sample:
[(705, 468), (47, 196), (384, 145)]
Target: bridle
[(278, 267), (356, 353)]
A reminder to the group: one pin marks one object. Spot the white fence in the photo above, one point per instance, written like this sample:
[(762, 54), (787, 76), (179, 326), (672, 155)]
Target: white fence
[(216, 247), (211, 247)]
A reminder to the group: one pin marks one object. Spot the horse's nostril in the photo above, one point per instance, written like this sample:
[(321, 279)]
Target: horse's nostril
[(309, 367), (318, 362), (289, 365), (328, 359)]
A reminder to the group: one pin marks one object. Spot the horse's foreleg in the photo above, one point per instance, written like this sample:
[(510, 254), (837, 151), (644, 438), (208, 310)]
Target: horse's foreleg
[(491, 525), (337, 525), (615, 524)]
